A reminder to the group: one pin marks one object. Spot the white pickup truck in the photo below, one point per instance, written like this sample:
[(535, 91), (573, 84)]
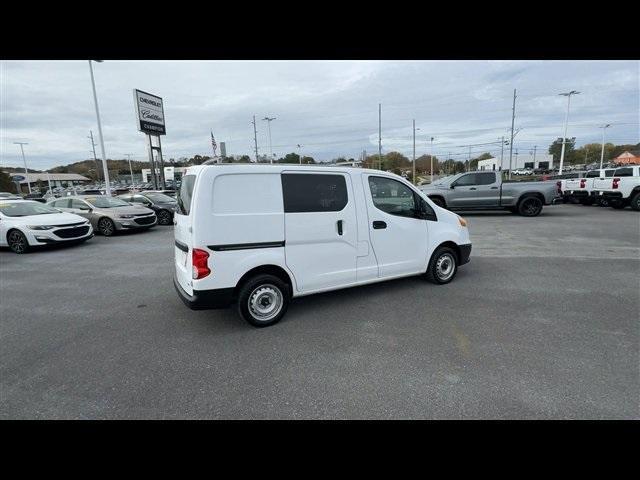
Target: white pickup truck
[(620, 190), (579, 189)]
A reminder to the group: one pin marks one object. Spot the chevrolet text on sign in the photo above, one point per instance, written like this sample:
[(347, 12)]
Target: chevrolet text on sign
[(150, 113)]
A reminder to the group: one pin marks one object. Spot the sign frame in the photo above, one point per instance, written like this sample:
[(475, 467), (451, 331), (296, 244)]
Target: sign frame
[(150, 118)]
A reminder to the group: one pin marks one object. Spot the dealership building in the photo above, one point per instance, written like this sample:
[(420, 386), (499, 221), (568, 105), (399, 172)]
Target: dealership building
[(540, 160), (56, 179)]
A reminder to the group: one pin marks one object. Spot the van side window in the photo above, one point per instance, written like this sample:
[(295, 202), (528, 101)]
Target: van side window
[(392, 197), (185, 193), (309, 192)]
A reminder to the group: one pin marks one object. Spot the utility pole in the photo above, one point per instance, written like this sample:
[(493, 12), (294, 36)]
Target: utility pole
[(104, 155), (255, 137), (513, 119), (534, 155), (469, 161), (501, 152), (300, 153), (130, 169), (379, 136), (269, 120), (604, 127), (95, 158), (413, 177), (431, 155), (26, 172), (566, 124)]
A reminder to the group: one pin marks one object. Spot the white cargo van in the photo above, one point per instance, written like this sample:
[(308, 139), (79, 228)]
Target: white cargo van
[(262, 234)]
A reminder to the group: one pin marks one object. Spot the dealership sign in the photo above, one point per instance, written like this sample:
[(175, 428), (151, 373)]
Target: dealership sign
[(149, 113)]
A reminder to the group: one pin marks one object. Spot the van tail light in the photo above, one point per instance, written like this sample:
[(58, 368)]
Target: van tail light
[(559, 185), (199, 260), (615, 183), (583, 182)]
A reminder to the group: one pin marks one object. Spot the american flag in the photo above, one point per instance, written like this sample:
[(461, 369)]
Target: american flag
[(213, 144)]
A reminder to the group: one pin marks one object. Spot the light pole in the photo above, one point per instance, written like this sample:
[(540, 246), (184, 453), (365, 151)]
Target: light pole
[(414, 152), (604, 127), (269, 120), (26, 172), (431, 159), (300, 153), (95, 158), (130, 169), (566, 124), (104, 156)]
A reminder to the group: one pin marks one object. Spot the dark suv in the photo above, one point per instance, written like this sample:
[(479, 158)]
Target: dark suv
[(163, 205)]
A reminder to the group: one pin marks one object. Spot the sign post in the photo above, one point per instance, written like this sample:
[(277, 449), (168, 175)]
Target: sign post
[(150, 120)]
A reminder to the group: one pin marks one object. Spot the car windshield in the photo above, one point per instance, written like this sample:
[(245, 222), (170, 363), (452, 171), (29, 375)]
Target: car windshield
[(23, 209), (160, 198), (106, 202)]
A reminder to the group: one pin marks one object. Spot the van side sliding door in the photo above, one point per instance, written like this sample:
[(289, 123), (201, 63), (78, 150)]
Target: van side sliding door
[(320, 229)]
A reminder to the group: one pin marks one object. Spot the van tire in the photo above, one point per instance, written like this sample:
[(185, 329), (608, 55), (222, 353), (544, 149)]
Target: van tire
[(435, 272), (260, 292)]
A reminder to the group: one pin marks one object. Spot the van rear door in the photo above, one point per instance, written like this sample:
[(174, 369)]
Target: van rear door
[(321, 232), (183, 234)]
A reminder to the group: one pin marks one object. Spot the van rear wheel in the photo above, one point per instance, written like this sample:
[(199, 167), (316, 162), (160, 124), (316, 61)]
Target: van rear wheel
[(263, 300)]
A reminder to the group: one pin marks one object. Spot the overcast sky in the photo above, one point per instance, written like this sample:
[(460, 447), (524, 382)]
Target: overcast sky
[(329, 107)]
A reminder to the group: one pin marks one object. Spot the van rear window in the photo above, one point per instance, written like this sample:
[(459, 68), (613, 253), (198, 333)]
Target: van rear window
[(309, 192), (185, 193)]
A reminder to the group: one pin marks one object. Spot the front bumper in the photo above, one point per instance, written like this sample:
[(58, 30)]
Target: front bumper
[(205, 299), (465, 253), (131, 224)]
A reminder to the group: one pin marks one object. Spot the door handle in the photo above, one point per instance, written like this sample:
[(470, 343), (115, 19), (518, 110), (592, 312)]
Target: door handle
[(473, 188), (378, 224), (339, 227), (494, 188)]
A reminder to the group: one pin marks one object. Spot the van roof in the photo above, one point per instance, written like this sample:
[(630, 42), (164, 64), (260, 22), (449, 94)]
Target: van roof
[(267, 167)]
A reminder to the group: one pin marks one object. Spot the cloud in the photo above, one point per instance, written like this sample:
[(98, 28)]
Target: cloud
[(330, 107)]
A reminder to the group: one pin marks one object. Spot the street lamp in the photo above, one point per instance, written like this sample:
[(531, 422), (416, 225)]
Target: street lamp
[(26, 172), (104, 156), (269, 120), (604, 127), (300, 153), (432, 160), (414, 152), (566, 123)]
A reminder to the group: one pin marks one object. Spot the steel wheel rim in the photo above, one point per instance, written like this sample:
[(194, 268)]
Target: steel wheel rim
[(531, 207), (445, 266), (265, 302), (106, 227), (17, 242)]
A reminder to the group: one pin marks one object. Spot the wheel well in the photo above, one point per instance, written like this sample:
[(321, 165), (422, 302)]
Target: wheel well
[(14, 229), (274, 270), (538, 195), (449, 244)]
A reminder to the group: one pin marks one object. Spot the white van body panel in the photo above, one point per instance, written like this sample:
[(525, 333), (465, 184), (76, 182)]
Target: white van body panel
[(237, 215)]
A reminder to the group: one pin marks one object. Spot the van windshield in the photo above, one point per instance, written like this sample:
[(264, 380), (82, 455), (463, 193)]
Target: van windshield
[(185, 193)]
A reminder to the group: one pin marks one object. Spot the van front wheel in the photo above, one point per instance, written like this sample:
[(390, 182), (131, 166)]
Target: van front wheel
[(263, 300), (443, 266)]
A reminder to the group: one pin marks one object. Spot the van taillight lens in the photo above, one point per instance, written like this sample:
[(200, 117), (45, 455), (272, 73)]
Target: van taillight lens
[(615, 183), (199, 260)]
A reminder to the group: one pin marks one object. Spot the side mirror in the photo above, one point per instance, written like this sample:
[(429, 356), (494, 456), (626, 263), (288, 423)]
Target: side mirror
[(452, 186)]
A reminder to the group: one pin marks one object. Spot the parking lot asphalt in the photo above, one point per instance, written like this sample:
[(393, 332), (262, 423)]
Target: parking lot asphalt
[(543, 323)]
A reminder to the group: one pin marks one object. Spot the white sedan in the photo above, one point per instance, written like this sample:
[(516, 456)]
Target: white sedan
[(25, 224)]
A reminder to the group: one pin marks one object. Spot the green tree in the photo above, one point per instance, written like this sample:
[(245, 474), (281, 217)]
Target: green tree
[(569, 150), (6, 185), (308, 160)]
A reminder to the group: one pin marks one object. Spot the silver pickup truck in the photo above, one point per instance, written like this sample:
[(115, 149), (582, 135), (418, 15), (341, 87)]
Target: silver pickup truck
[(487, 191)]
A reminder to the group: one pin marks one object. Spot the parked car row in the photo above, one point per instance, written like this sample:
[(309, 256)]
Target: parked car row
[(614, 187), (74, 219)]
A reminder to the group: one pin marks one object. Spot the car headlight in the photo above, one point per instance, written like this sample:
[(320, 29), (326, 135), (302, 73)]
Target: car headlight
[(41, 227), (463, 222), (125, 216)]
